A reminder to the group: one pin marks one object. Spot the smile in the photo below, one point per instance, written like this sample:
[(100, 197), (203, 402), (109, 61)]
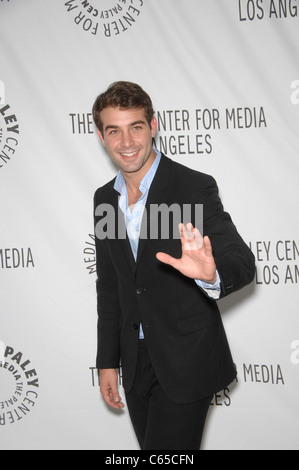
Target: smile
[(129, 155)]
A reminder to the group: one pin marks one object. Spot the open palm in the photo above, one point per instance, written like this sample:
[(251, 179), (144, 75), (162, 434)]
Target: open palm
[(197, 261)]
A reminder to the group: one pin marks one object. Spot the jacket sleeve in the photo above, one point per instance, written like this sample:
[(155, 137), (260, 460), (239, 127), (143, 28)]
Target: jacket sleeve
[(109, 313), (234, 260)]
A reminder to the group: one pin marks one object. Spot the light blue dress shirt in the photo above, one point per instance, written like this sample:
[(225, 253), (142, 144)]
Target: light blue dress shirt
[(133, 220)]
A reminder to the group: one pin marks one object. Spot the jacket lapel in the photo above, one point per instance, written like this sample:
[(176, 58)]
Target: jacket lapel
[(158, 194), (123, 242)]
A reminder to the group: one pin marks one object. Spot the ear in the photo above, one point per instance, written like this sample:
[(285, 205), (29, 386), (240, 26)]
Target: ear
[(154, 126), (101, 137)]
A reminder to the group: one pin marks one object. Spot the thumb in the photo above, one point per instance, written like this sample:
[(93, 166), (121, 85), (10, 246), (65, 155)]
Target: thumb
[(167, 259), (114, 393), (116, 400)]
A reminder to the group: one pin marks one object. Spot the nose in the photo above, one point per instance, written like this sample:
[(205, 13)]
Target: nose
[(127, 140)]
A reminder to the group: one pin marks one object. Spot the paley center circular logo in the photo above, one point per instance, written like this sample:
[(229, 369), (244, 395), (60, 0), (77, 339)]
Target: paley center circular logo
[(19, 389), (9, 130), (108, 18)]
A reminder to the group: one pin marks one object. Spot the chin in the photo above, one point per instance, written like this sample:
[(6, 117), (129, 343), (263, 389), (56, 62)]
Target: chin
[(131, 168)]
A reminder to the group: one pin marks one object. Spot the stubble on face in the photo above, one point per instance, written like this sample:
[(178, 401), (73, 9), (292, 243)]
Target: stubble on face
[(128, 137)]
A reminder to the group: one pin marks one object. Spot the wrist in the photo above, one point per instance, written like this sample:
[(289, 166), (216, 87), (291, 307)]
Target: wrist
[(210, 281), (213, 281)]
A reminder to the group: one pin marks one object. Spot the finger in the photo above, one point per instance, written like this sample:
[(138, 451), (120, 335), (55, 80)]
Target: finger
[(112, 398), (187, 232), (189, 227), (198, 239), (190, 233), (191, 237), (106, 394), (115, 397), (167, 259), (182, 230), (207, 246), (114, 401)]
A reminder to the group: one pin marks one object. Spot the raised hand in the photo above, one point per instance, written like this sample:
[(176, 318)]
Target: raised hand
[(197, 261)]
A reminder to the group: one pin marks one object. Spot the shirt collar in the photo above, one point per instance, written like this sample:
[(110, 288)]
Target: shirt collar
[(120, 184)]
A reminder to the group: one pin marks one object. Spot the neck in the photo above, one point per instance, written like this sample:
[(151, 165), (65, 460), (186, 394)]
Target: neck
[(133, 180)]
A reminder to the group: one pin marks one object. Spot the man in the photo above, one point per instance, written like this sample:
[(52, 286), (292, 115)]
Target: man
[(157, 294)]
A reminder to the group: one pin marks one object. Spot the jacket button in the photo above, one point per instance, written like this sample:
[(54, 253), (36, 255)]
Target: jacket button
[(135, 326), (139, 291)]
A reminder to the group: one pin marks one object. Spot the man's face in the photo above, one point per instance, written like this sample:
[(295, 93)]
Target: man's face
[(127, 138)]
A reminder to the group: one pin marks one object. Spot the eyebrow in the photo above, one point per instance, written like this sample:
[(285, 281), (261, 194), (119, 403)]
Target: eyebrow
[(135, 123)]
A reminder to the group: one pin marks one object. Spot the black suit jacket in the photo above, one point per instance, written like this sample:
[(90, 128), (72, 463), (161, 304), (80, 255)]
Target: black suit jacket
[(182, 325)]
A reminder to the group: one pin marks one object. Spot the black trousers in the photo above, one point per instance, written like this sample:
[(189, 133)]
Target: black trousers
[(159, 423)]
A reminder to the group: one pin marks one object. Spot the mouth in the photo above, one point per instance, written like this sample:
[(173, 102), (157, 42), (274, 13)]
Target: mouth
[(129, 155)]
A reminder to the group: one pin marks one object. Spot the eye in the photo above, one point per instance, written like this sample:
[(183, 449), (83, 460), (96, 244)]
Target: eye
[(137, 128)]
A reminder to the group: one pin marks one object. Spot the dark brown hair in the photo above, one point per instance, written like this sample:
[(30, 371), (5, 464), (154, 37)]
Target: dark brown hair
[(123, 95)]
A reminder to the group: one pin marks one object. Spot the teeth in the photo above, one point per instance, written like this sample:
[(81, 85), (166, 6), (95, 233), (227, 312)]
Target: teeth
[(129, 154)]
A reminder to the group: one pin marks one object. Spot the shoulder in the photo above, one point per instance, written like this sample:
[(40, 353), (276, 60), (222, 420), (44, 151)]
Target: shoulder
[(104, 193), (193, 179)]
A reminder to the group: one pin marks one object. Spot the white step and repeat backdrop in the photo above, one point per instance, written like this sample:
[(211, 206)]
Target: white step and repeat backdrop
[(224, 78)]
